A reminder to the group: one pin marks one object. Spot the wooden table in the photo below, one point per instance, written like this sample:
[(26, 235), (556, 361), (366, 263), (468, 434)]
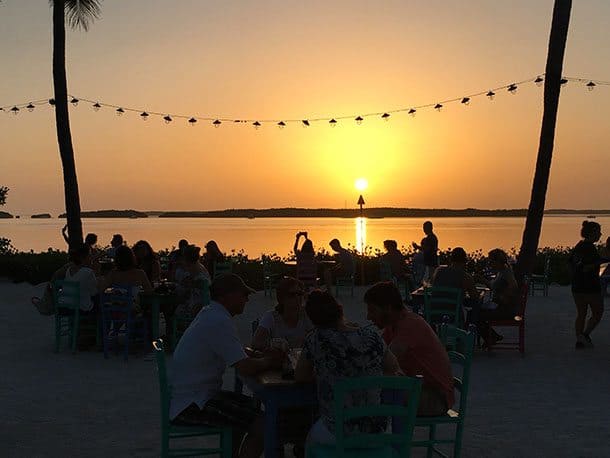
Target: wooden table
[(277, 393)]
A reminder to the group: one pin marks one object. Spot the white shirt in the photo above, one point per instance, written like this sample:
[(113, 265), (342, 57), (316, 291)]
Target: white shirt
[(209, 345), (88, 286), (272, 321)]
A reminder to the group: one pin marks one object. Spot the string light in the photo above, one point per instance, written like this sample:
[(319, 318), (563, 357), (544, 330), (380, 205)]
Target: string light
[(192, 121), (590, 84)]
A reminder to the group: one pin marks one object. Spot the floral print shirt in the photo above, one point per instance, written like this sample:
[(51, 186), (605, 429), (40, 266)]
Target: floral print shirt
[(337, 354)]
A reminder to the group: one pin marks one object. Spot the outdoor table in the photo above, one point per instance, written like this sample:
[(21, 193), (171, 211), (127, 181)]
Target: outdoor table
[(277, 393), (155, 301)]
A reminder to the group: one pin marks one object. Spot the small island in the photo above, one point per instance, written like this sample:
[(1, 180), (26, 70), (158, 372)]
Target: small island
[(110, 214), (41, 216), (5, 215)]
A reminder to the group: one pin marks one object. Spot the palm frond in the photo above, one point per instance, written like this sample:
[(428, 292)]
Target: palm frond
[(81, 13)]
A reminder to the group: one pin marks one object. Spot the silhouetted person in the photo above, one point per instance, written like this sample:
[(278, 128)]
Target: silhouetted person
[(584, 265), (395, 259), (211, 256), (429, 249), (147, 260), (116, 242), (306, 260), (344, 266), (455, 276)]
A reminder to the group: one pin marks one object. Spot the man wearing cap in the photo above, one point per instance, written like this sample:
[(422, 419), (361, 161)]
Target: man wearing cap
[(207, 348)]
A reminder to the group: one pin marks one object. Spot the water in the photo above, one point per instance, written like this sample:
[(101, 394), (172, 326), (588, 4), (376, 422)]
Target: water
[(276, 235)]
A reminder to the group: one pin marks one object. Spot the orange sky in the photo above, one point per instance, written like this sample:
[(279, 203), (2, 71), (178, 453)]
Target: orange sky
[(289, 59)]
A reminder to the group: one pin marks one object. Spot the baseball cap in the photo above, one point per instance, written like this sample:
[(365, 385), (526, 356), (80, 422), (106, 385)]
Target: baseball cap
[(229, 283)]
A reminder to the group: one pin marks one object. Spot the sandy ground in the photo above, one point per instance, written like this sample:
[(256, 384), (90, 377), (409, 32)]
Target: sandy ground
[(551, 403)]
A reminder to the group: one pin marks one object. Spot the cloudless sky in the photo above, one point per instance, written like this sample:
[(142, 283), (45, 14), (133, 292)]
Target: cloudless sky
[(295, 59)]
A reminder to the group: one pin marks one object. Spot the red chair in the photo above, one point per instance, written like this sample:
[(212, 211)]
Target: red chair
[(517, 321)]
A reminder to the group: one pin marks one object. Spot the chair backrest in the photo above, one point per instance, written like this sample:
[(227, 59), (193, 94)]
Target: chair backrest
[(307, 271), (440, 302), (461, 356), (164, 387), (222, 267), (66, 294), (404, 412), (255, 325), (117, 298)]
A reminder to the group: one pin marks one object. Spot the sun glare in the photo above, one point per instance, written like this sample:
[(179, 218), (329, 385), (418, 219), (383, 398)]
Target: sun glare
[(361, 184)]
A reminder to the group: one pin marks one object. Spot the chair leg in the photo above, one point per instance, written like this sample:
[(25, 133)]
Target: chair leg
[(431, 438), (226, 443), (165, 443), (57, 331), (522, 338), (457, 446), (74, 332)]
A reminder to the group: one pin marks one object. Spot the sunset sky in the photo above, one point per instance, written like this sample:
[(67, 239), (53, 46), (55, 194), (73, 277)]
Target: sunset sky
[(295, 59)]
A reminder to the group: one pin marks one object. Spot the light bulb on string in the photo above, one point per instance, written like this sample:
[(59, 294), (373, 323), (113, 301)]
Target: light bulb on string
[(539, 80), (120, 111), (74, 101), (281, 124), (412, 112), (305, 123), (192, 121), (490, 95), (52, 102), (217, 123), (438, 107), (167, 119), (591, 85), (563, 81), (359, 120), (30, 107), (96, 106), (385, 116), (332, 122), (256, 124), (512, 89), (144, 116), (15, 111), (466, 101)]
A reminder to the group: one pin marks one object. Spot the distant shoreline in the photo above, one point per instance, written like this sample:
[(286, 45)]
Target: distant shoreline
[(375, 212)]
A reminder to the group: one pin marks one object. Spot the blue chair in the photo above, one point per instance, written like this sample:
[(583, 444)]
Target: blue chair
[(381, 445), (66, 300), (443, 305), (347, 282), (171, 432), (462, 356), (540, 282), (119, 319)]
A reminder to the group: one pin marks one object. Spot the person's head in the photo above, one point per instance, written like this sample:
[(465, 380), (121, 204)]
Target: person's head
[(230, 291), (498, 259), (143, 251), (390, 245), (212, 248), (428, 227), (335, 244), (289, 292), (182, 244), (591, 231), (307, 247), (323, 310), (124, 259), (91, 239), (80, 255), (458, 257), (192, 254), (117, 240), (383, 301)]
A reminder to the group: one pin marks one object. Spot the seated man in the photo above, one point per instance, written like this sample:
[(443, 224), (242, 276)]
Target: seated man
[(394, 259), (208, 346), (344, 266), (415, 345), (455, 276)]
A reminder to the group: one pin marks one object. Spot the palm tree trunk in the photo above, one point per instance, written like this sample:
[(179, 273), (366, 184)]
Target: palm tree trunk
[(62, 121), (552, 88)]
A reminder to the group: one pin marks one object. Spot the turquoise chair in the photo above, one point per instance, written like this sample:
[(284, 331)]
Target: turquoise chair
[(347, 282), (66, 295), (171, 432), (443, 305), (381, 445), (223, 267), (540, 282), (270, 278), (461, 357), (182, 321)]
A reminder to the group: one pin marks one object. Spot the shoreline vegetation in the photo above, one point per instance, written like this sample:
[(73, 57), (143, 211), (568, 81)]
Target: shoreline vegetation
[(374, 212)]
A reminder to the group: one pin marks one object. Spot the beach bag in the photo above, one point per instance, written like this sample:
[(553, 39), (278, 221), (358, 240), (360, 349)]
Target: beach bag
[(44, 304)]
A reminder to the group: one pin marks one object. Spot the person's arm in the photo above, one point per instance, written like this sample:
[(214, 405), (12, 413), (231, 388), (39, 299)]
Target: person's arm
[(304, 372), (390, 364), (469, 287), (296, 243), (249, 366)]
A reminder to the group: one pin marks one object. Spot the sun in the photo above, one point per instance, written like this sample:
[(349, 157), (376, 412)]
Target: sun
[(361, 184)]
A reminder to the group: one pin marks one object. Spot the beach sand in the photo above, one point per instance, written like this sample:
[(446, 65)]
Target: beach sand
[(551, 403)]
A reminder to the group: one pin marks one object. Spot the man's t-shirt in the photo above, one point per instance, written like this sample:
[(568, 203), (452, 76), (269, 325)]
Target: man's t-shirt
[(420, 352), (208, 346), (429, 246)]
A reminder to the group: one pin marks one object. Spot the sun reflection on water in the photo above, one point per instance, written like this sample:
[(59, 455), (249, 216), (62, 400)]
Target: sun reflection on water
[(360, 234)]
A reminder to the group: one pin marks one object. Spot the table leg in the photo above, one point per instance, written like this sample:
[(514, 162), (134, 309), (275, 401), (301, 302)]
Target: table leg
[(154, 316), (271, 438)]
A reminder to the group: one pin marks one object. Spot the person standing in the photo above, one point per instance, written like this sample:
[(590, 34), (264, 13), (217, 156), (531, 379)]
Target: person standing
[(429, 249), (584, 265)]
